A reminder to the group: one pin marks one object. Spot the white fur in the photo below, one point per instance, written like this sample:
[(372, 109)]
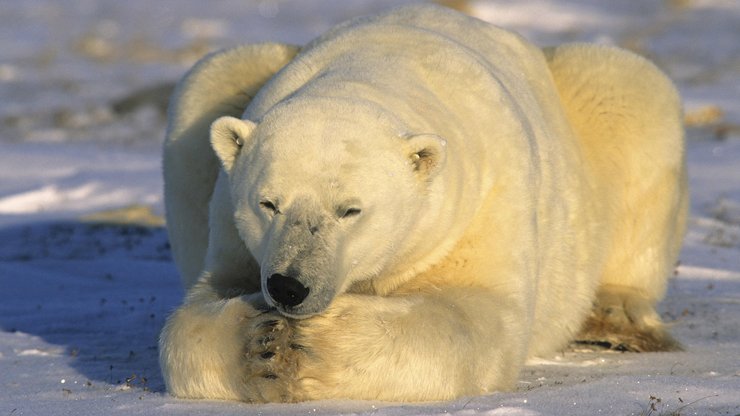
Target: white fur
[(452, 196)]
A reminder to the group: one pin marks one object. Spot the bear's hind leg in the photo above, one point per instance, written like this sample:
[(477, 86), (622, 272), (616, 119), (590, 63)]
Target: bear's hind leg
[(641, 256), (626, 116)]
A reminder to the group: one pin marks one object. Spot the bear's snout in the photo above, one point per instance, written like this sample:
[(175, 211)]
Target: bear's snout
[(286, 290)]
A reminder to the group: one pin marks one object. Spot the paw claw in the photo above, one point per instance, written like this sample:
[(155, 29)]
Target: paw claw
[(265, 341), (272, 323)]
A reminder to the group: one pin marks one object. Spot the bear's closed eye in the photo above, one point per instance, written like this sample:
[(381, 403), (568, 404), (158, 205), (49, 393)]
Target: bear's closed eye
[(270, 206), (350, 212)]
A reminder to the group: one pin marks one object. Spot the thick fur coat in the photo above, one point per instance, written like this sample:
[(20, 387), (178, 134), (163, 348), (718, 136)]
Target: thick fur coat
[(410, 206)]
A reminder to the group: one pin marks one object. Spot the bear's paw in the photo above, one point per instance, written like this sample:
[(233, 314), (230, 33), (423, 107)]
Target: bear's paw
[(272, 358), (623, 319)]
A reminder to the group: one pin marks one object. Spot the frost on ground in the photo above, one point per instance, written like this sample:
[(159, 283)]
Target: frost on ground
[(83, 297)]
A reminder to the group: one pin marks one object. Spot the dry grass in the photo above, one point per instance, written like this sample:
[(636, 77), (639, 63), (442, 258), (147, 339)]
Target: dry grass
[(657, 407)]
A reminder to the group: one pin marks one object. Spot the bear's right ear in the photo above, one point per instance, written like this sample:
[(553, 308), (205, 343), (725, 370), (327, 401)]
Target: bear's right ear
[(427, 153), (228, 136)]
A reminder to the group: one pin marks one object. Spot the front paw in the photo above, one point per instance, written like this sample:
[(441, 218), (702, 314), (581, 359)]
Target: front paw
[(273, 359)]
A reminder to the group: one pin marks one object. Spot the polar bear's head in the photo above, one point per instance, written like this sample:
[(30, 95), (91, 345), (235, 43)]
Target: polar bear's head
[(324, 196)]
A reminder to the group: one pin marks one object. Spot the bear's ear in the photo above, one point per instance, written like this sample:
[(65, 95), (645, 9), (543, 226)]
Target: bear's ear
[(427, 153), (228, 136)]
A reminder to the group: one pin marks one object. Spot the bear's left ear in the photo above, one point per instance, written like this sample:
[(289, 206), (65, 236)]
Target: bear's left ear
[(427, 153), (228, 136)]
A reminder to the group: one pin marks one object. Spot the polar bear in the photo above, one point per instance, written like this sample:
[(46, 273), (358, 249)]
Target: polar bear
[(410, 206)]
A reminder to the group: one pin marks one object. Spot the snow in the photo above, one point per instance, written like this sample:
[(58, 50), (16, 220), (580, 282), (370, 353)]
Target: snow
[(81, 116)]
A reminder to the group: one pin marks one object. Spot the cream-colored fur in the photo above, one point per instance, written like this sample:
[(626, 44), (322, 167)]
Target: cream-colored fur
[(646, 187), (412, 206)]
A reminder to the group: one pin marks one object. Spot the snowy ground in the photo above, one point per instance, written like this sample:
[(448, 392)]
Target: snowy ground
[(81, 123)]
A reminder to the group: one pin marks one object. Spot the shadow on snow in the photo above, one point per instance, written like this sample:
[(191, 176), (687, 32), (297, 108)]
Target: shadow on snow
[(100, 291)]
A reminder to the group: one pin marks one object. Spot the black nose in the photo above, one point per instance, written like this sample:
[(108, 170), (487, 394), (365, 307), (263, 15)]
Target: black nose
[(286, 290)]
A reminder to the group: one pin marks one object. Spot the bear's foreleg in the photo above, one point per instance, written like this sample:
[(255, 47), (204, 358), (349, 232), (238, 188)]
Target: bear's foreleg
[(201, 348), (432, 346)]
